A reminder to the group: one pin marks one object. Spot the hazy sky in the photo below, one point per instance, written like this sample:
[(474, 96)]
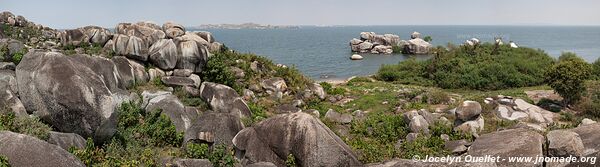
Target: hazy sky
[(107, 13)]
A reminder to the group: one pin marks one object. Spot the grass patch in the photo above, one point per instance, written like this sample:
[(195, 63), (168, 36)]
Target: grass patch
[(31, 126)]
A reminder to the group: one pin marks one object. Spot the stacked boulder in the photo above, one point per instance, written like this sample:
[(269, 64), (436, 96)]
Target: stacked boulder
[(370, 42), (416, 45), (469, 118)]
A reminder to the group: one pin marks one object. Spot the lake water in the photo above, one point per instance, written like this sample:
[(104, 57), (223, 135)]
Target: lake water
[(324, 51)]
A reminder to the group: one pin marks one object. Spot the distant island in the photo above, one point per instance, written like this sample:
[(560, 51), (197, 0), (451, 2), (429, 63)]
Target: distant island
[(244, 26)]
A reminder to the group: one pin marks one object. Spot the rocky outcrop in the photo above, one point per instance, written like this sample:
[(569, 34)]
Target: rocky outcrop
[(23, 150), (89, 35), (163, 54), (509, 143), (169, 105), (222, 98), (370, 42), (298, 134), (74, 94)]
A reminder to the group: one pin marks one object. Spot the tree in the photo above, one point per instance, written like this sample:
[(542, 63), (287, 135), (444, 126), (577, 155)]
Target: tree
[(428, 39), (567, 78)]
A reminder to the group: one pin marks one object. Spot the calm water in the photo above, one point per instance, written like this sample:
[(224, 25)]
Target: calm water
[(324, 51)]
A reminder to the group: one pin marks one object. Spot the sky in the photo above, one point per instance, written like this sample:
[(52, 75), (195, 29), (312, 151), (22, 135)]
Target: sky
[(107, 13)]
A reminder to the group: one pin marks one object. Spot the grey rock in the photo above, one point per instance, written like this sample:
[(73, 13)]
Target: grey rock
[(224, 126), (66, 140), (318, 90), (418, 46), (8, 81), (148, 32), (169, 105), (587, 121), (222, 98), (563, 143), (287, 108), (193, 163), (192, 56), (177, 81), (163, 54), (196, 79), (206, 36), (275, 84), (74, 94), (11, 103), (418, 124), (456, 146), (173, 30), (590, 137), (182, 72), (155, 73), (468, 110), (262, 164), (299, 134), (130, 46), (337, 117), (23, 150), (410, 137), (7, 66), (519, 142)]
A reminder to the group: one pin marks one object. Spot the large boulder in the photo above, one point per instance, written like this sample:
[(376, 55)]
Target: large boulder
[(192, 56), (163, 54), (74, 94), (563, 143), (590, 138), (149, 32), (66, 140), (173, 30), (86, 35), (74, 37), (8, 81), (275, 84), (222, 98), (468, 110), (509, 143), (190, 36), (223, 126), (418, 46), (169, 104), (9, 102), (206, 36), (299, 134), (130, 46), (23, 150)]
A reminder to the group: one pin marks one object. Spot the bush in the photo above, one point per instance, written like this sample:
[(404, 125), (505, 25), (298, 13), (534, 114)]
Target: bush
[(90, 154), (290, 161), (219, 155), (330, 90), (428, 39), (567, 78), (596, 69), (146, 128), (31, 126), (4, 161), (590, 102), (217, 71), (473, 68)]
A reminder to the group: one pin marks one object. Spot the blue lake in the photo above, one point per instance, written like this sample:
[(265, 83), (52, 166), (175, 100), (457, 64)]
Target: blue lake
[(324, 51)]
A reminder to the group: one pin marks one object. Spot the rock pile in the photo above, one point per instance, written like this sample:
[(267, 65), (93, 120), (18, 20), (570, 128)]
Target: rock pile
[(370, 42)]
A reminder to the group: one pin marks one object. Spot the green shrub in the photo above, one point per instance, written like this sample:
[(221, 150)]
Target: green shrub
[(146, 128), (330, 90), (89, 155), (4, 161), (16, 58), (567, 78), (569, 56), (423, 146), (473, 68), (428, 39), (590, 102), (31, 126), (258, 113), (290, 161), (196, 151), (217, 71)]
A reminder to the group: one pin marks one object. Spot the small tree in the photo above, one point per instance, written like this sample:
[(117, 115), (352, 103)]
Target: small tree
[(567, 79), (428, 39)]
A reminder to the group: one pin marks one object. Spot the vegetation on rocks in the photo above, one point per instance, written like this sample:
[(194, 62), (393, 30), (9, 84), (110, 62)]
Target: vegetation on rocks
[(567, 77), (4, 161), (25, 125), (219, 155), (484, 67)]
